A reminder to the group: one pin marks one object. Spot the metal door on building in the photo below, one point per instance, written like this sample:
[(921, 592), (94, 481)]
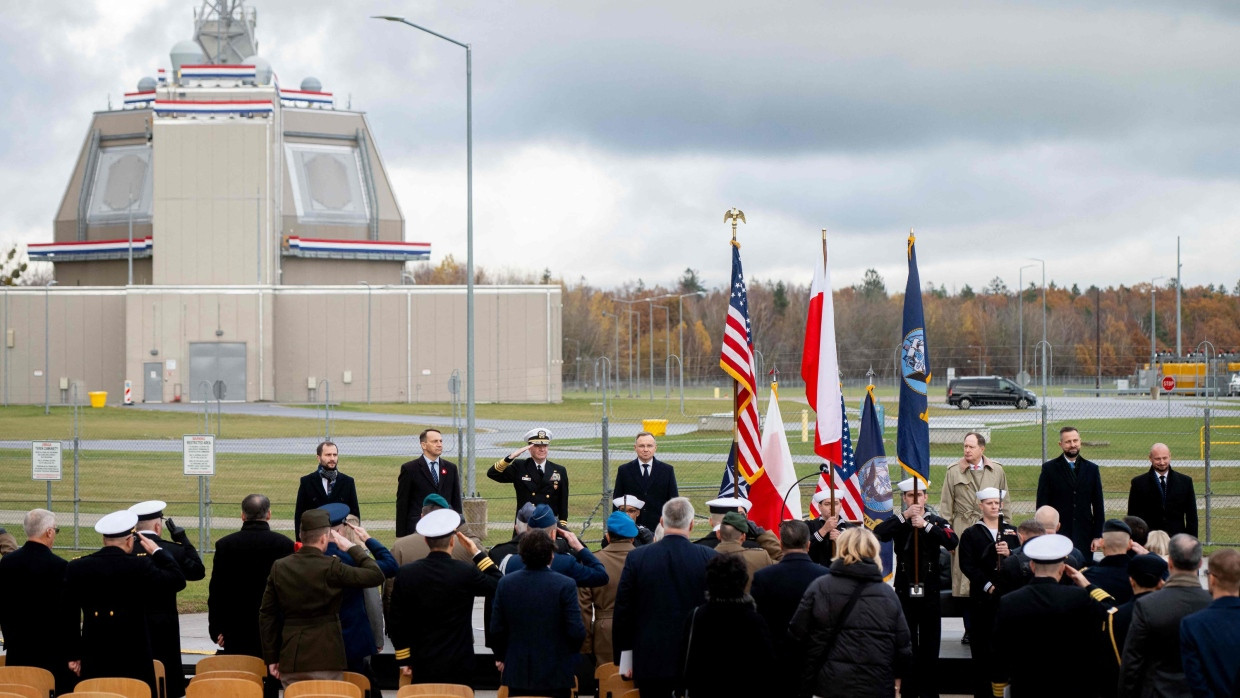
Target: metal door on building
[(217, 368), (153, 381)]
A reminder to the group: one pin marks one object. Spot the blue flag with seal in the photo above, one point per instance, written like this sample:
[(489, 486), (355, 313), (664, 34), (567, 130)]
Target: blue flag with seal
[(873, 476), (913, 428)]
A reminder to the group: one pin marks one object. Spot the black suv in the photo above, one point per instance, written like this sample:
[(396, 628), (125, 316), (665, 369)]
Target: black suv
[(988, 390)]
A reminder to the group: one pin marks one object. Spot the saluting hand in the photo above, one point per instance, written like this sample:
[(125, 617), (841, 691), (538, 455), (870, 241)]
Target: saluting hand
[(468, 542), (361, 532), (519, 451), (340, 541), (147, 544), (1075, 575), (573, 542)]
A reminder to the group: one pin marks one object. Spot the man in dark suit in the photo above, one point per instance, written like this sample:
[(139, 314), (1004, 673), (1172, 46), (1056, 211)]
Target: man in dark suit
[(424, 475), (536, 627), (31, 579), (324, 486), (649, 479), (109, 588), (433, 603), (1209, 637), (1073, 486), (1152, 664), (299, 619), (1162, 497), (660, 586), (917, 538), (242, 562), (535, 479), (162, 619), (777, 590)]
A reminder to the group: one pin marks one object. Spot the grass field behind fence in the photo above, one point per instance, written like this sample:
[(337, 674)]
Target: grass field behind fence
[(112, 479)]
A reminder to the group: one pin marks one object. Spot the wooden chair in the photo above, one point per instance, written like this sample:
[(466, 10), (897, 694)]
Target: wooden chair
[(40, 679), (227, 674), (502, 692), (605, 670), (403, 680), (224, 688), (89, 694), (632, 694), (436, 689), (22, 689), (358, 680), (231, 662), (614, 686), (331, 688), (130, 688), (161, 680)]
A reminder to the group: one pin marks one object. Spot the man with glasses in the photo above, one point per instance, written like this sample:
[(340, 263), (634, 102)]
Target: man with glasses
[(535, 479), (34, 575)]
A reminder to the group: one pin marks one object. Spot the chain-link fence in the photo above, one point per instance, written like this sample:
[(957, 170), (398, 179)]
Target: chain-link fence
[(116, 456)]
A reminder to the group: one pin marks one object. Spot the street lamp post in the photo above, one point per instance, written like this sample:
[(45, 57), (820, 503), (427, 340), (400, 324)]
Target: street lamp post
[(1020, 283), (1152, 321), (470, 398), (367, 340), (616, 318), (680, 328), (630, 314), (47, 344), (1044, 345), (667, 349)]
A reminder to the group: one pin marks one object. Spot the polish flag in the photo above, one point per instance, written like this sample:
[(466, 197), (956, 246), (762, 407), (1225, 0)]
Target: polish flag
[(820, 366), (768, 492)]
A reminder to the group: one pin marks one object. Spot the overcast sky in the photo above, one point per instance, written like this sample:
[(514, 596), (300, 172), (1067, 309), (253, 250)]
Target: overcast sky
[(610, 137)]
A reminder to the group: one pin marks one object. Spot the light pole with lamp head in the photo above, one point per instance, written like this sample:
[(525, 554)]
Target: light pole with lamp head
[(47, 347), (1020, 283), (367, 340), (470, 399), (680, 328), (1153, 320), (616, 368)]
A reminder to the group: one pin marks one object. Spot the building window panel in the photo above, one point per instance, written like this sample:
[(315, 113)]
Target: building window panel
[(327, 184), (121, 175)]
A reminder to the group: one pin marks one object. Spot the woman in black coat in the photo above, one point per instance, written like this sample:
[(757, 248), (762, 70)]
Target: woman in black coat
[(727, 621), (857, 651)]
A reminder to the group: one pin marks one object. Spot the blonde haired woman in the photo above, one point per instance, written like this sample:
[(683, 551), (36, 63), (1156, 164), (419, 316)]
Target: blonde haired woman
[(1159, 543), (852, 625)]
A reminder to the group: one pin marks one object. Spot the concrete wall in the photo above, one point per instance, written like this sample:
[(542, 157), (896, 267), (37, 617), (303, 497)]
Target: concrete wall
[(87, 342), (417, 338), (113, 123), (108, 272), (313, 271), (209, 178)]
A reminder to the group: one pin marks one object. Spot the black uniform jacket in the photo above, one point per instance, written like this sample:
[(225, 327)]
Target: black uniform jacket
[(242, 562), (111, 588), (938, 533), (978, 559), (655, 492), (414, 483), (432, 610), (549, 487), (161, 613), (311, 495)]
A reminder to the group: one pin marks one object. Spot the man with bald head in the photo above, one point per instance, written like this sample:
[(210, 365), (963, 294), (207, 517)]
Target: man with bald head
[(1163, 497)]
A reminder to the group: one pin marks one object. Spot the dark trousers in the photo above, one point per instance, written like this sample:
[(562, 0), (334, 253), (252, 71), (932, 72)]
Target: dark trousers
[(361, 665), (925, 625), (981, 640)]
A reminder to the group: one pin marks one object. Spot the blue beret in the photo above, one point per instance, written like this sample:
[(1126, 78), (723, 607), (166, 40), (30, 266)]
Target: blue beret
[(543, 517), (436, 500), (620, 524), (337, 512)]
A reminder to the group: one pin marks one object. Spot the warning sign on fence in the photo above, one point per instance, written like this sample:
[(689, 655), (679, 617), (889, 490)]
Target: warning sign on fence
[(199, 454), (45, 460)]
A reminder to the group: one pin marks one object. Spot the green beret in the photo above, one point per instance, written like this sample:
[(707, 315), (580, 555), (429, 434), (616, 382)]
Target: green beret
[(736, 520)]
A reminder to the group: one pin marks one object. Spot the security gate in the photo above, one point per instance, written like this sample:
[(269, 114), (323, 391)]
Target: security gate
[(222, 366)]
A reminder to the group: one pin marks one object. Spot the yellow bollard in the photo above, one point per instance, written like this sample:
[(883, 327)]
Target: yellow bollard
[(804, 426), (716, 393)]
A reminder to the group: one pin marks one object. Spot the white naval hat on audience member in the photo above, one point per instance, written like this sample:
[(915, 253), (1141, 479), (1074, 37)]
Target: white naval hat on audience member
[(118, 524), (150, 509), (723, 505), (627, 500), (538, 435), (990, 493), (1048, 549), (907, 485), (438, 523)]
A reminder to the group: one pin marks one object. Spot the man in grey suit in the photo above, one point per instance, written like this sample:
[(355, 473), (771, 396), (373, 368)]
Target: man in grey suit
[(1151, 665)]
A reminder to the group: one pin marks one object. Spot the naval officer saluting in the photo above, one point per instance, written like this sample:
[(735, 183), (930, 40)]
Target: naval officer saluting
[(107, 587), (535, 479), (162, 620)]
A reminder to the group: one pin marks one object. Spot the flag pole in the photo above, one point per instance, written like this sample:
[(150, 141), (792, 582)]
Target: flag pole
[(831, 465), (735, 215)]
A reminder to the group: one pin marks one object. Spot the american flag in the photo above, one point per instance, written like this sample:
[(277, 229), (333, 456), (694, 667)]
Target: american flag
[(844, 476), (736, 358)]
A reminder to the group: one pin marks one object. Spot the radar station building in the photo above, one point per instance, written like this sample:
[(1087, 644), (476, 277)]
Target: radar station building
[(222, 231)]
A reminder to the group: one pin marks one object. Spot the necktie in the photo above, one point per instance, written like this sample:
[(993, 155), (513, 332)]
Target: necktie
[(540, 469), (646, 473), (435, 472), (1162, 485)]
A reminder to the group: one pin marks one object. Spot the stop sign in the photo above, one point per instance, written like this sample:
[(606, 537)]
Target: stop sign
[(1168, 383)]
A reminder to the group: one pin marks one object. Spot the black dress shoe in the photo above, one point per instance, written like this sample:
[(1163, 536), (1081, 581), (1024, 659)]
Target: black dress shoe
[(964, 640)]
